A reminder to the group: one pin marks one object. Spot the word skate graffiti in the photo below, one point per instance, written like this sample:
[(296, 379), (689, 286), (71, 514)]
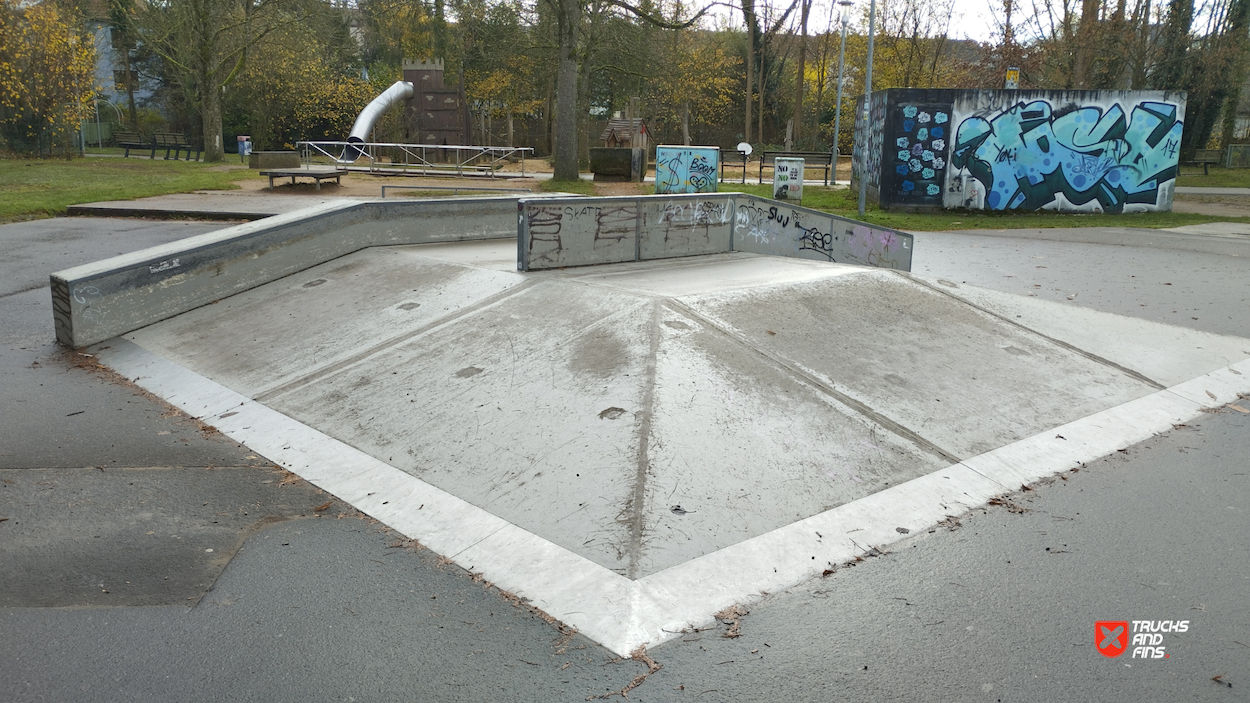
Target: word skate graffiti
[(1030, 156), (690, 169), (611, 227)]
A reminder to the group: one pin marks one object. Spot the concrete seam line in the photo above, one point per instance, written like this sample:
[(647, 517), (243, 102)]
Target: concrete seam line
[(807, 378), (268, 394), (1058, 342), (611, 609), (643, 463)]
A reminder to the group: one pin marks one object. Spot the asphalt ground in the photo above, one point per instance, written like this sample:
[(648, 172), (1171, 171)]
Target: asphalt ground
[(299, 600)]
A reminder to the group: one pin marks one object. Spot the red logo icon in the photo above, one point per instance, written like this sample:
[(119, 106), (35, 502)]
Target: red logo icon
[(1111, 637)]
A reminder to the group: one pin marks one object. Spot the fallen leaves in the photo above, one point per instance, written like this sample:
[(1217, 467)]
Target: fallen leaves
[(639, 655), (323, 507), (732, 616), (1005, 502)]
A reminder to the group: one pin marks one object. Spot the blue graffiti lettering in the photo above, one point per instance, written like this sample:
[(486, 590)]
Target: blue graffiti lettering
[(1026, 157)]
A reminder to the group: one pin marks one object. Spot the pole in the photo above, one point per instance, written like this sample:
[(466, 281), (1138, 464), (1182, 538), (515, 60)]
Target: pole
[(863, 166), (837, 113), (99, 139)]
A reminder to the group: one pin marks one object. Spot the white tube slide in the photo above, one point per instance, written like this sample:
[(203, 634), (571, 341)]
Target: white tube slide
[(394, 95)]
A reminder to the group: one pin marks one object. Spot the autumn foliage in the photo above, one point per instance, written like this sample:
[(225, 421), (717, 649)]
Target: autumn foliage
[(46, 77)]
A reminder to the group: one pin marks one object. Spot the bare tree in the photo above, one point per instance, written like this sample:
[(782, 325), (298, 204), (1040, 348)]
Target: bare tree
[(206, 43), (571, 16)]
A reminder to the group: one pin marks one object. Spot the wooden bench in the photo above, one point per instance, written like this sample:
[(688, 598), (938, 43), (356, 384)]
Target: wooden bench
[(1206, 157), (176, 143), (733, 157), (811, 159), (315, 173), (132, 140)]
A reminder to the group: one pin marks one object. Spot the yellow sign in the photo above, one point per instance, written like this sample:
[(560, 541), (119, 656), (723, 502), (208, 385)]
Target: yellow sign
[(1013, 79)]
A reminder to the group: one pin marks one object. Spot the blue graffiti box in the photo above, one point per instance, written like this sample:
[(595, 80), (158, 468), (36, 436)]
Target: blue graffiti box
[(686, 169)]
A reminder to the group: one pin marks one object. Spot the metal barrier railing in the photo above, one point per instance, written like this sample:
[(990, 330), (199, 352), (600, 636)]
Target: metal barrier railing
[(455, 190), (422, 159)]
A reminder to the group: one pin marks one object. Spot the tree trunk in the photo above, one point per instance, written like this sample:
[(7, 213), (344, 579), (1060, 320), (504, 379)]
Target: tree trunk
[(1140, 52), (583, 116), (549, 111), (565, 147), (760, 78), (685, 123), (1086, 37), (746, 129), (798, 90), (130, 92), (210, 113), (747, 10), (1170, 69)]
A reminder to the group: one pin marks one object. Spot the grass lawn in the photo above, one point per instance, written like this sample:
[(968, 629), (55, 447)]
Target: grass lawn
[(1220, 177), (579, 187), (841, 201), (34, 189)]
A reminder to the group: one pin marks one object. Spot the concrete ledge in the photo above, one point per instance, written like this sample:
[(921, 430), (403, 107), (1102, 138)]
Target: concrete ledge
[(104, 299), (95, 210), (555, 233)]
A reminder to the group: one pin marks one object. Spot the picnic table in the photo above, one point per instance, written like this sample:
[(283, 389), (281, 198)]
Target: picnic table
[(316, 173)]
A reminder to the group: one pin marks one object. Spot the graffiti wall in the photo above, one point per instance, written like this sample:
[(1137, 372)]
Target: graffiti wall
[(869, 143), (1083, 151), (916, 158), (686, 169), (684, 226), (769, 227), (1023, 150), (559, 232)]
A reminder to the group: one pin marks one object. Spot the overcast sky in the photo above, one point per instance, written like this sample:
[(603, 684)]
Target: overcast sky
[(971, 19)]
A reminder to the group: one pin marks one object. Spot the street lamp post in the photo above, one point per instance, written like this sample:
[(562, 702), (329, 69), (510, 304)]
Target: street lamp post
[(837, 111), (863, 166)]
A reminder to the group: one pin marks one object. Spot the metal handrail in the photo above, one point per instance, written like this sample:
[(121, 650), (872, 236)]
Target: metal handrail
[(416, 156), (455, 190)]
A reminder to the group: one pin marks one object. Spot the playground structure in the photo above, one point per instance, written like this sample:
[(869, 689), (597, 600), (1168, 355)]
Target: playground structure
[(391, 158), (435, 119)]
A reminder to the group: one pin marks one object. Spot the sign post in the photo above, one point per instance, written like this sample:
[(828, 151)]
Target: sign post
[(1013, 79), (788, 179)]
